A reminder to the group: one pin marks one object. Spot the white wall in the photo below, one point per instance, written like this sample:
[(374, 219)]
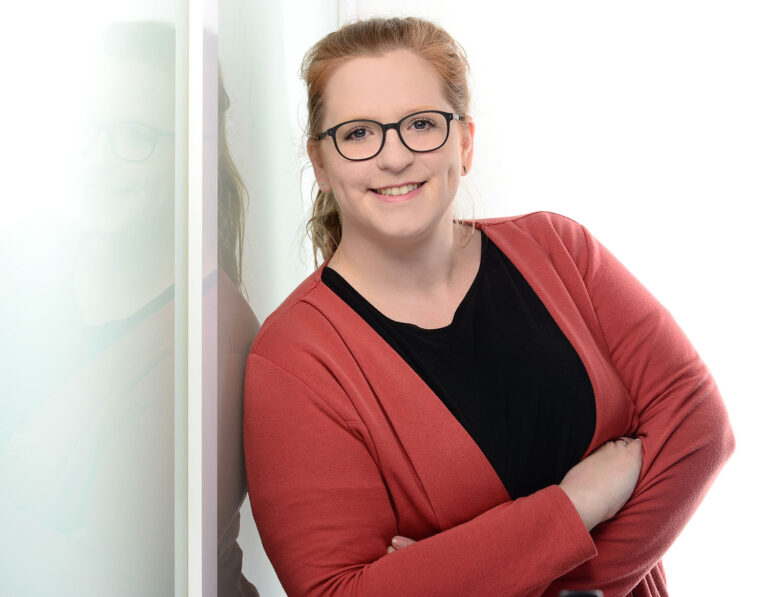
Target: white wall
[(87, 372), (261, 45)]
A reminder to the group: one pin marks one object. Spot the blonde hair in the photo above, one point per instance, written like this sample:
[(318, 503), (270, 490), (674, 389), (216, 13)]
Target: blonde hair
[(366, 38)]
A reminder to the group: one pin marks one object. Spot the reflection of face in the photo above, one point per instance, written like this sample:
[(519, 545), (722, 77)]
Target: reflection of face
[(119, 195), (386, 88)]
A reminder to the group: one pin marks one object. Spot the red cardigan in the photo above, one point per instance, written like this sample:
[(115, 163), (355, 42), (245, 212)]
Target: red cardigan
[(347, 447)]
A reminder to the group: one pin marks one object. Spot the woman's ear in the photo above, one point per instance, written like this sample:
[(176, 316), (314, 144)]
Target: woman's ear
[(467, 144), (315, 156)]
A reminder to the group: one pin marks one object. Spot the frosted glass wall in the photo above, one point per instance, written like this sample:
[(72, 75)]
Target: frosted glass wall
[(90, 465)]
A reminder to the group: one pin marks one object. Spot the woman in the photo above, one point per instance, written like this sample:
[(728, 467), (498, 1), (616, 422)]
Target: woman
[(418, 411)]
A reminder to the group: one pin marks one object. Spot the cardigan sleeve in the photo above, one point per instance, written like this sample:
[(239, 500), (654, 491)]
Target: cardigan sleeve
[(681, 419), (325, 517)]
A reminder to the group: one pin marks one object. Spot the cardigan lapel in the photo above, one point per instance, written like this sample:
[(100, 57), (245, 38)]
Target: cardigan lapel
[(558, 283), (456, 476)]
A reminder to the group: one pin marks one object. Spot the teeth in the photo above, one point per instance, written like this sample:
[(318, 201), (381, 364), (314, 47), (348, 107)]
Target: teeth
[(394, 191)]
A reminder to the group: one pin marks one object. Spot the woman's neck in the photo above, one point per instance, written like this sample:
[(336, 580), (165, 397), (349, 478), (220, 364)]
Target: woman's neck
[(413, 267)]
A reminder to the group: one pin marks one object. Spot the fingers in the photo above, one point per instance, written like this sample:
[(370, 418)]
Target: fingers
[(627, 441), (399, 542)]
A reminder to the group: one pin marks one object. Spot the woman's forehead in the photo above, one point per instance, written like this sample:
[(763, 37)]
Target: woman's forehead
[(383, 87)]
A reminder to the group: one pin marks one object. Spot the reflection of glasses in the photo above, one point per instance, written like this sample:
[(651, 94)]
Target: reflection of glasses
[(359, 140), (130, 141)]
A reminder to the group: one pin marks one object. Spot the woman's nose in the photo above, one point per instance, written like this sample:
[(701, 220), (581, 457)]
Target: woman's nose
[(394, 155)]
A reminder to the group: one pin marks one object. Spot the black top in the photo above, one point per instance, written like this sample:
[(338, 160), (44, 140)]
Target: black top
[(503, 368)]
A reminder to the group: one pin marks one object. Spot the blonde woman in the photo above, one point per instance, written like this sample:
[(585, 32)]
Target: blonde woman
[(460, 408)]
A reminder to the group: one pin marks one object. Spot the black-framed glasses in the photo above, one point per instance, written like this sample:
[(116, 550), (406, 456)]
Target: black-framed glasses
[(362, 139), (130, 141)]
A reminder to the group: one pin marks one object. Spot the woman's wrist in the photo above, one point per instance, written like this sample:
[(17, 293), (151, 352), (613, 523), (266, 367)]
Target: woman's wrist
[(585, 504)]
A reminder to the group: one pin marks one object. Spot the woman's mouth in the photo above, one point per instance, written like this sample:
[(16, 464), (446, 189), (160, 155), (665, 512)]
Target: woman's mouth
[(398, 193)]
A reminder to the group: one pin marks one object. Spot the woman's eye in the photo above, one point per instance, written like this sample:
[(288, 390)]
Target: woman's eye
[(422, 124), (356, 134)]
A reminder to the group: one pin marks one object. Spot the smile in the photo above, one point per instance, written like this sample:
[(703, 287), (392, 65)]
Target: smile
[(397, 191)]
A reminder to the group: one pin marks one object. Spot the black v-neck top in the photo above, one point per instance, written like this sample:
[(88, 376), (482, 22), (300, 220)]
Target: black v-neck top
[(503, 368)]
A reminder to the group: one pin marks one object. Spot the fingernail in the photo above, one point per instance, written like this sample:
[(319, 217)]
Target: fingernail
[(398, 541)]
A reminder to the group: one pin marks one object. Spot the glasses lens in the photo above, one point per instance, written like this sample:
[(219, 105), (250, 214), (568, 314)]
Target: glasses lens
[(133, 142), (424, 131), (358, 140)]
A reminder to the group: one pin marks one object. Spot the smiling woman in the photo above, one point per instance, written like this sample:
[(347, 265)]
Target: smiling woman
[(446, 407)]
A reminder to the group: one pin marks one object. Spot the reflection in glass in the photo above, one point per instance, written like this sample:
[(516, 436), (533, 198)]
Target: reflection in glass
[(130, 141), (87, 443), (86, 472), (236, 327)]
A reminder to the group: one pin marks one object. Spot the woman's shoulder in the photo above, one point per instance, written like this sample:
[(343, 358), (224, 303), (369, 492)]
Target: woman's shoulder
[(301, 319), (529, 221), (302, 345), (544, 228)]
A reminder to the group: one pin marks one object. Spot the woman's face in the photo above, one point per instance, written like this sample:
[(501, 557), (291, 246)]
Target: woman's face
[(386, 88), (128, 162)]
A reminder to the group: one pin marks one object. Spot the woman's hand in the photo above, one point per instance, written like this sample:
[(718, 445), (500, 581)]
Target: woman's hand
[(602, 483)]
